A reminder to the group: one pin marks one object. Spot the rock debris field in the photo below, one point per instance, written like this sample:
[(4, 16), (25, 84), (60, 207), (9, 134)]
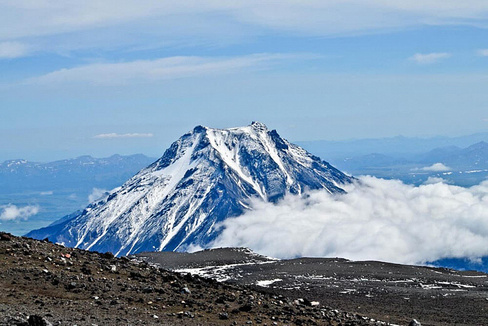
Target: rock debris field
[(46, 284), (390, 292)]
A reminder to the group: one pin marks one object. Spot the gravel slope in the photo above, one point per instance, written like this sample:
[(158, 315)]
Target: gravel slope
[(43, 284), (390, 292)]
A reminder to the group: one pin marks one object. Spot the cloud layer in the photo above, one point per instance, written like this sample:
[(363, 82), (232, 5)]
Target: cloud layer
[(436, 167), (12, 212), (130, 135), (377, 219), (10, 50), (159, 69), (483, 52), (25, 18), (429, 58)]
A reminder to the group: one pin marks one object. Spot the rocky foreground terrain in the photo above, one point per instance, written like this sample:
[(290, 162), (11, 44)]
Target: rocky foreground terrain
[(46, 284), (389, 292)]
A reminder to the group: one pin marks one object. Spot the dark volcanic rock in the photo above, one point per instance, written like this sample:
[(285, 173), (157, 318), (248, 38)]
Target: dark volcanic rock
[(391, 292), (414, 323), (35, 320), (5, 236), (48, 283)]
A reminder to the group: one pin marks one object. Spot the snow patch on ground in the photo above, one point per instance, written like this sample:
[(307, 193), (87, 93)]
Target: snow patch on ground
[(266, 283)]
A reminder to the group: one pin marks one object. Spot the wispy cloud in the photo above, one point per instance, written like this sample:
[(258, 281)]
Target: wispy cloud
[(436, 167), (483, 52), (12, 212), (97, 193), (129, 135), (161, 69), (434, 180), (377, 219), (429, 58), (194, 19), (10, 50)]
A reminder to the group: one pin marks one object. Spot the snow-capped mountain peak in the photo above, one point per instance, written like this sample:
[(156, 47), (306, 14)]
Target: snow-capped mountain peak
[(204, 177)]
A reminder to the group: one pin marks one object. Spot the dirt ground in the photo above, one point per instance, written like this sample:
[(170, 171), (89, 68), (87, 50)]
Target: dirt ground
[(389, 292), (46, 284)]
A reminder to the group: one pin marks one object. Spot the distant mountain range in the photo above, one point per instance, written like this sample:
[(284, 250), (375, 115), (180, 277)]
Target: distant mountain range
[(463, 166), (61, 187), (205, 177), (84, 171), (398, 146)]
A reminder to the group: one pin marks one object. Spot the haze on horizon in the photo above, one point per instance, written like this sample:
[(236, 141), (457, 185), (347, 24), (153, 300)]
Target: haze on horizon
[(111, 77)]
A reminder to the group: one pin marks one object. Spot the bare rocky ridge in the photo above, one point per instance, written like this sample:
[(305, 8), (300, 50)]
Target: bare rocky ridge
[(390, 292), (42, 284)]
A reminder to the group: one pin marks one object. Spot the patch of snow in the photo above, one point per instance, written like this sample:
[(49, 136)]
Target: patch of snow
[(267, 283)]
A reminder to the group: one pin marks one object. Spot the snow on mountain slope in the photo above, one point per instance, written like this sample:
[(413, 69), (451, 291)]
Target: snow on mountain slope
[(204, 177)]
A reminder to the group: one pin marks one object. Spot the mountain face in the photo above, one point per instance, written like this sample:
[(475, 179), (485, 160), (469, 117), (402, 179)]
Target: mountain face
[(204, 177), (472, 157)]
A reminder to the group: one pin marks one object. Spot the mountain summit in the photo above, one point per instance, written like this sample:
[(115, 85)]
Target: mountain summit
[(204, 177)]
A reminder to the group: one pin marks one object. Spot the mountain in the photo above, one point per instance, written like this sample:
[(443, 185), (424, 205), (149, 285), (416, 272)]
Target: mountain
[(471, 157), (83, 171), (205, 177), (398, 146), (467, 166)]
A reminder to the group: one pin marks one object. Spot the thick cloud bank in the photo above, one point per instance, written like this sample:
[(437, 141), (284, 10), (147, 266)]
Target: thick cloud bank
[(377, 219)]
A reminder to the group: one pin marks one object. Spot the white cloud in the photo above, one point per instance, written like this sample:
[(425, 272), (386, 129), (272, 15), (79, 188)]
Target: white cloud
[(130, 135), (483, 52), (436, 167), (97, 193), (28, 18), (377, 219), (10, 50), (46, 193), (159, 69), (434, 180), (12, 212), (429, 58)]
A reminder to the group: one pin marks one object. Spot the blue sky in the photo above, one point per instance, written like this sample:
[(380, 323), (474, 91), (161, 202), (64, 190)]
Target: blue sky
[(98, 78)]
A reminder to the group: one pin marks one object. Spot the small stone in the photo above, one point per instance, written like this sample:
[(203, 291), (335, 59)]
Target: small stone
[(223, 316), (5, 236), (185, 290), (245, 308), (35, 320), (414, 322), (220, 300), (107, 255)]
